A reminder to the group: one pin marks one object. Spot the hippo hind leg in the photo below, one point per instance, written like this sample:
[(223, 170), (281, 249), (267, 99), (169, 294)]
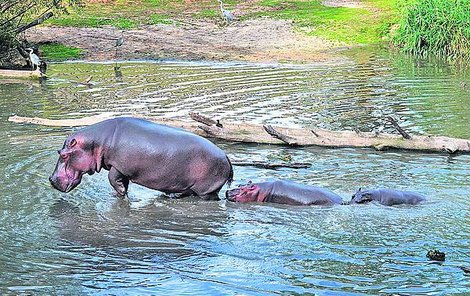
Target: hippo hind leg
[(119, 182), (208, 191)]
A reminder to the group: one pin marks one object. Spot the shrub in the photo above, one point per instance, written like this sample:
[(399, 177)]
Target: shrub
[(440, 27)]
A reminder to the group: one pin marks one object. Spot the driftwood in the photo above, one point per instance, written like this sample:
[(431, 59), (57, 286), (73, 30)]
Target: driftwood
[(21, 73), (272, 166), (255, 133)]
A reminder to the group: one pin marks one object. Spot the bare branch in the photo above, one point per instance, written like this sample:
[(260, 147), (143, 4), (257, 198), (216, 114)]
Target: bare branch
[(402, 132), (274, 133), (201, 118), (35, 22)]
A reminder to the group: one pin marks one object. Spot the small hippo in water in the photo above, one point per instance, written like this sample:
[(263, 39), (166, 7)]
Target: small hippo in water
[(387, 197), (283, 192), (156, 156)]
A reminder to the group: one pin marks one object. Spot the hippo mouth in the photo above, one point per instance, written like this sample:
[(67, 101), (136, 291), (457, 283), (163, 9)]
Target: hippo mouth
[(70, 185)]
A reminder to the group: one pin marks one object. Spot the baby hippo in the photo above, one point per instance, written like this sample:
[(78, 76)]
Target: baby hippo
[(387, 197), (283, 192)]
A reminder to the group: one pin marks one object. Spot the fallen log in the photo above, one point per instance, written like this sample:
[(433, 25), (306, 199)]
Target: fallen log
[(255, 133), (20, 73)]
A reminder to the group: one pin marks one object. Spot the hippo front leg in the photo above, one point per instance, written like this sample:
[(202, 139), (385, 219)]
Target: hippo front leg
[(119, 182)]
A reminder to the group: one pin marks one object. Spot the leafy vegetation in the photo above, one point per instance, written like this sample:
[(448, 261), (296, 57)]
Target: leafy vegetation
[(18, 16), (440, 27)]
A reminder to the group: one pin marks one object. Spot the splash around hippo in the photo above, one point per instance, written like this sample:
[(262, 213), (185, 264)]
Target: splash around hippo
[(283, 192), (134, 150), (387, 197)]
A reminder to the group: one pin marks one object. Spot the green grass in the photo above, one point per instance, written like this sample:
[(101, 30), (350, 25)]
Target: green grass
[(347, 25), (158, 18), (120, 14), (440, 27), (206, 13), (130, 14), (59, 52)]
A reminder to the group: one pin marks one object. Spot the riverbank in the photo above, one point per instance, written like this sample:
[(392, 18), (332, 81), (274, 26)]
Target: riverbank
[(260, 40), (263, 31)]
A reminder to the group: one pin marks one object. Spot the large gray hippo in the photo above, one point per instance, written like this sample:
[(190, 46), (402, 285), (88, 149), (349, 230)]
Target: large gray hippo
[(283, 192), (156, 156), (388, 197)]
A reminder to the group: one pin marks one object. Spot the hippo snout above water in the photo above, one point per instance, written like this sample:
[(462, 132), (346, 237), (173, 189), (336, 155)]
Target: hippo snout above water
[(156, 156), (283, 192), (388, 197)]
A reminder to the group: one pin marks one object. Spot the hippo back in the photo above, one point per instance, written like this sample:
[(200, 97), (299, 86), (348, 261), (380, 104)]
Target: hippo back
[(299, 194)]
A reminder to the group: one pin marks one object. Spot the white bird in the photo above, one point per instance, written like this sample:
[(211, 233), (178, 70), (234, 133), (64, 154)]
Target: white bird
[(35, 60), (227, 15)]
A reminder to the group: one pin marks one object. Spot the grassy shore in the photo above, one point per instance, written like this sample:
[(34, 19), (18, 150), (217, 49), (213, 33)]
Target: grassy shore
[(417, 26), (60, 52), (366, 25)]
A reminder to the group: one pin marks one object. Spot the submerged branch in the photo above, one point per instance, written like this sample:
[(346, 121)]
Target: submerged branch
[(272, 166)]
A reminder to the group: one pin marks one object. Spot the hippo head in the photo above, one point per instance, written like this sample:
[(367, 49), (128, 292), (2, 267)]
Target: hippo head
[(245, 193), (361, 196), (76, 158)]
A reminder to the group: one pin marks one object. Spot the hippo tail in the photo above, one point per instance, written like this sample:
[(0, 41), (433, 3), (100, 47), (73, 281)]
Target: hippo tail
[(230, 177)]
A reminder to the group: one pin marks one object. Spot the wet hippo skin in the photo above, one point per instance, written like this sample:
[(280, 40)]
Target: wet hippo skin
[(156, 156), (283, 192)]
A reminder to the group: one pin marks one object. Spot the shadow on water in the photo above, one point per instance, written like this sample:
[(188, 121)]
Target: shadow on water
[(89, 243)]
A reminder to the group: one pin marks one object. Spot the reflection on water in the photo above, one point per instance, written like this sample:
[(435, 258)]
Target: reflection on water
[(87, 242)]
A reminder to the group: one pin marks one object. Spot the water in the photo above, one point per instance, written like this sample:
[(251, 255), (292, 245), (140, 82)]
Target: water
[(88, 243)]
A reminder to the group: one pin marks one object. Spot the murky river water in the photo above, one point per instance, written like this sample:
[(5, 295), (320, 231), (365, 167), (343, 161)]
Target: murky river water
[(88, 243)]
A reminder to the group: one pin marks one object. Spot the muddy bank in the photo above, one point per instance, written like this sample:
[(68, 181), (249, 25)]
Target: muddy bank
[(259, 40)]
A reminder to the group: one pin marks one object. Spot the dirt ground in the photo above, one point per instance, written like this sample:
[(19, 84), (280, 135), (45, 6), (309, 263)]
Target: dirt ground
[(258, 40)]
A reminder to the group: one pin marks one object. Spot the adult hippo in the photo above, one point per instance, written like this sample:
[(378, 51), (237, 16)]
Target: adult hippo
[(283, 192), (156, 156), (387, 197)]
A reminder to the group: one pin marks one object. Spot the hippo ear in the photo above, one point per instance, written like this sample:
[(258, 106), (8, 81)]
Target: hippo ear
[(251, 186), (360, 188), (249, 182)]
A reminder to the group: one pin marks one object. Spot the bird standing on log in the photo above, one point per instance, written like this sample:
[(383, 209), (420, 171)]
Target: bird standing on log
[(35, 60), (226, 15)]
